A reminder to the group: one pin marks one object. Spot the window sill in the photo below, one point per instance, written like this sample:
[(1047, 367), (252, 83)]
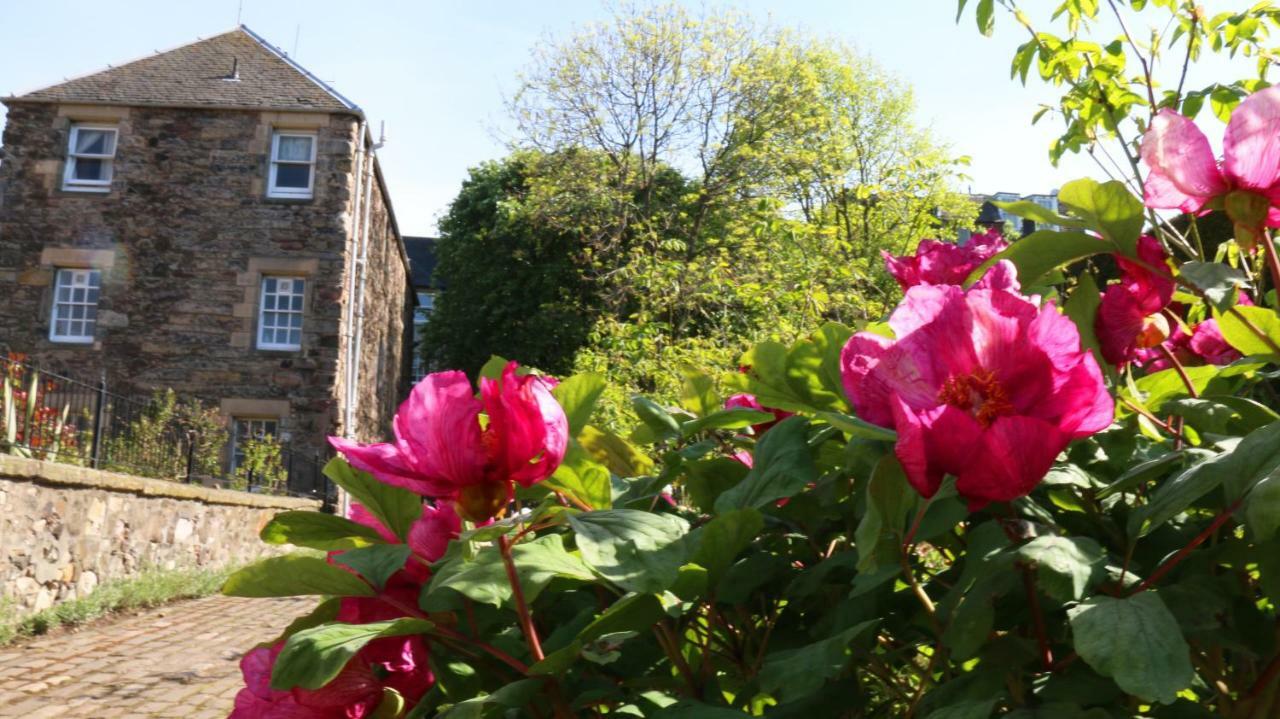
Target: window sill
[(90, 189), (290, 199), (74, 342)]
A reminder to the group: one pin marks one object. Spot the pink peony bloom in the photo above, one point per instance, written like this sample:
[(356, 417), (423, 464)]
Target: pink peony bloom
[(943, 263), (1186, 176), (1130, 315), (443, 450), (981, 384), (748, 401), (428, 538), (1210, 346), (399, 663)]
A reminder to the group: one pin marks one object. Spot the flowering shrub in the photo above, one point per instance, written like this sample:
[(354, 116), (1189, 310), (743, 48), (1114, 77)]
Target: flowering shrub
[(1024, 495)]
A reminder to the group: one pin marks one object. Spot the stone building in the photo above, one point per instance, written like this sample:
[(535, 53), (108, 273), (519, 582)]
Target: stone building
[(211, 219)]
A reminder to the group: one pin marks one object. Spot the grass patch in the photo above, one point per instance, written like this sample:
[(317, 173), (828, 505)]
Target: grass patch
[(150, 588)]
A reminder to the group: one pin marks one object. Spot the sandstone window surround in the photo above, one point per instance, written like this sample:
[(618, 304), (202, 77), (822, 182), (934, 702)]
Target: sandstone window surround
[(293, 159), (247, 418), (247, 428), (75, 305), (91, 151), (251, 310)]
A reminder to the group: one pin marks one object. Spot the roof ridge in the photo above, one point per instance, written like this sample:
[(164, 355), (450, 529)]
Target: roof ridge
[(126, 63), (296, 66)]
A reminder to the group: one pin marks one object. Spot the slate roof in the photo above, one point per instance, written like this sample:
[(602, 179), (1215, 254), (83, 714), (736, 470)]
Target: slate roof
[(196, 75), (422, 261)]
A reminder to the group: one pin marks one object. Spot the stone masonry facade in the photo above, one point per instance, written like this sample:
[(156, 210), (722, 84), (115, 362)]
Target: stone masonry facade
[(65, 529), (182, 238)]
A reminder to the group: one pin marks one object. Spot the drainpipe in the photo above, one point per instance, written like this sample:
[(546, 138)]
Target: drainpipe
[(362, 266), (348, 319)]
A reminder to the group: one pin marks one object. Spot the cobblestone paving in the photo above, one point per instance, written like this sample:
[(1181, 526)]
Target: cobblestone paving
[(181, 660)]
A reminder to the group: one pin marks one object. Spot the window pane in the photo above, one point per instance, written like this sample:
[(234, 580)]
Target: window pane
[(295, 337), (95, 142), (295, 176), (297, 149), (87, 169), (269, 284), (297, 303)]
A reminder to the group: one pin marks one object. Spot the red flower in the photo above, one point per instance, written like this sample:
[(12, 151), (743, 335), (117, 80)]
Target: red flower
[(748, 401), (443, 450), (943, 263), (984, 385), (1130, 316)]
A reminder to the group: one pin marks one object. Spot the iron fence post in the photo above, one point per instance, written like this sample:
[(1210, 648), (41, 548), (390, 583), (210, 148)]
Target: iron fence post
[(99, 413), (191, 454), (326, 503)]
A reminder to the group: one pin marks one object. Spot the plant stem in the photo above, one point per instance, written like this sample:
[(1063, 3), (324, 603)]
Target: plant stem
[(915, 525), (458, 636), (1042, 638), (517, 594), (918, 590), (1273, 263), (1200, 538), (1177, 434)]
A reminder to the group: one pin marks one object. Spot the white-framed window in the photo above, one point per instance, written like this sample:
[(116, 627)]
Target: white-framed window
[(246, 428), (91, 153), (293, 159), (75, 305), (421, 315), (280, 313)]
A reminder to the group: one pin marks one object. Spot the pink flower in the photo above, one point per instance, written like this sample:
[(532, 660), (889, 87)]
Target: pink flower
[(981, 384), (1209, 345), (1186, 176), (428, 538), (748, 401), (398, 663), (943, 263), (443, 450), (1130, 315)]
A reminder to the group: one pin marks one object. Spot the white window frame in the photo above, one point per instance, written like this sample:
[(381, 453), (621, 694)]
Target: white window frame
[(296, 193), (250, 423), (74, 278), (262, 311), (69, 180)]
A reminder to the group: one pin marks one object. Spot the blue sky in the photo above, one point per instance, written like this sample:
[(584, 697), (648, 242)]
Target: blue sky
[(436, 72)]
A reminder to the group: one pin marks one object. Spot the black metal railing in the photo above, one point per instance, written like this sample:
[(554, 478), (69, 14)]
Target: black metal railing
[(53, 416)]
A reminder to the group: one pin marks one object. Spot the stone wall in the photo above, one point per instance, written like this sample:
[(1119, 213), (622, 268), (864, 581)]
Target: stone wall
[(183, 238), (65, 529)]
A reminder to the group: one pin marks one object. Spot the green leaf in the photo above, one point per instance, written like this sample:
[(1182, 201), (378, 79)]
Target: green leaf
[(1082, 308), (396, 508), (390, 707), (985, 17), (578, 396), (1107, 207), (1238, 335), (294, 575), (311, 658), (492, 368), (1042, 251), (889, 499), (632, 613), (1038, 213), (1219, 282), (855, 427), (318, 530), (698, 393), (484, 578), (1262, 508), (1254, 458), (512, 696), (973, 709), (638, 551), (657, 419), (616, 453), (581, 477), (718, 542), (1137, 642), (796, 672), (736, 418), (325, 612), (1159, 387), (1066, 566), (376, 564), (783, 467)]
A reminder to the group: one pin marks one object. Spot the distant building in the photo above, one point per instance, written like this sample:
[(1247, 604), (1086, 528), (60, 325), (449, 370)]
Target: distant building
[(422, 265), (211, 219), (990, 214)]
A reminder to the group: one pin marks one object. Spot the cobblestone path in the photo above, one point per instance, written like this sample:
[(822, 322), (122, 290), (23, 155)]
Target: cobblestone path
[(181, 660)]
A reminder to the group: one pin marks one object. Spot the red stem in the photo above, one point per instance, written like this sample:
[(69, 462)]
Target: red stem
[(522, 608), (1042, 639), (459, 636), (1268, 675), (1176, 559), (1273, 262), (1177, 366)]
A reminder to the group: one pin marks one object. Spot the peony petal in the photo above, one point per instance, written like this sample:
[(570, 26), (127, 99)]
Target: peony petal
[(387, 464), (1208, 343), (529, 430), (1181, 161), (358, 514), (1015, 454), (430, 535), (870, 399), (1003, 275), (912, 450), (935, 442), (1118, 323), (1251, 146), (439, 429)]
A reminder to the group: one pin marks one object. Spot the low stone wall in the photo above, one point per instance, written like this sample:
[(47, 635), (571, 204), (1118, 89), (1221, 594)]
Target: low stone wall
[(64, 529)]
